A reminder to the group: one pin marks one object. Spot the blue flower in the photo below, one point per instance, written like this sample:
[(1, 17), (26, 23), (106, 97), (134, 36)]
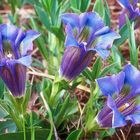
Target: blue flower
[(15, 47), (86, 35), (121, 91), (132, 10)]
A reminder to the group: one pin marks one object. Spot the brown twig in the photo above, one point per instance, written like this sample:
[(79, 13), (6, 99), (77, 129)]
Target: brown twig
[(118, 136), (124, 138), (81, 87), (129, 131)]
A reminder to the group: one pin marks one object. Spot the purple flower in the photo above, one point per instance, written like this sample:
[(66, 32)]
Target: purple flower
[(86, 35), (121, 91), (15, 47), (132, 10)]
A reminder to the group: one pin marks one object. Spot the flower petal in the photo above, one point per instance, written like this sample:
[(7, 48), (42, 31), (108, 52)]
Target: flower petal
[(91, 20), (20, 78), (117, 119), (74, 61), (26, 60), (71, 18), (27, 43), (9, 32), (103, 42), (132, 76), (125, 3), (111, 84), (14, 76), (134, 118), (106, 40), (1, 49), (20, 36), (101, 52), (102, 31), (122, 18), (70, 39)]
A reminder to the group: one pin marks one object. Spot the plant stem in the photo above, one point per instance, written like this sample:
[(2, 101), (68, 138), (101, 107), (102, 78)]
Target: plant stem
[(51, 119)]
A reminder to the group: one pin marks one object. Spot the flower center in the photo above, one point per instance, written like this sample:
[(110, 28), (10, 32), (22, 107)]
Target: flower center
[(9, 55), (138, 5), (83, 45), (7, 49), (84, 35), (123, 107)]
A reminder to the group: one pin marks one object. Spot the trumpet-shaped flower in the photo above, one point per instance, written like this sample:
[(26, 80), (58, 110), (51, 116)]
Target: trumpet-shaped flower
[(15, 47), (86, 35), (121, 91), (131, 8)]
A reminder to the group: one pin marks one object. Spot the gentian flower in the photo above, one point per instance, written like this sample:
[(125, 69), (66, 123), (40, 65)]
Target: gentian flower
[(121, 91), (15, 47), (86, 35), (131, 8)]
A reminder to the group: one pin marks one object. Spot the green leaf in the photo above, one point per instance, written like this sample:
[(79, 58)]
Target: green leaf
[(32, 2), (107, 14), (85, 5), (8, 125), (37, 63), (76, 82), (96, 68), (117, 56), (124, 35), (1, 88), (60, 115), (54, 6), (41, 44), (87, 73), (44, 18), (107, 69), (92, 75), (26, 98), (3, 112), (74, 135), (58, 32), (76, 4), (40, 134), (132, 44), (99, 8), (1, 19), (47, 6), (47, 88)]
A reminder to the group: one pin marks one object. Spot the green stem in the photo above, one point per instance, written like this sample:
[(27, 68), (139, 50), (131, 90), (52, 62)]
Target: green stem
[(19, 106), (91, 111), (23, 124), (50, 117), (32, 128), (91, 125)]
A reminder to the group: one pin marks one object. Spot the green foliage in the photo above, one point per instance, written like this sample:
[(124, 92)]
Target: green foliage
[(124, 35), (94, 73), (15, 4), (74, 135), (102, 8), (132, 44), (99, 7), (80, 5), (40, 134), (59, 102)]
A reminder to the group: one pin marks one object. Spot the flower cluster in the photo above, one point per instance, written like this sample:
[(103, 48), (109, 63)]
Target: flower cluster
[(121, 91), (15, 47), (86, 35)]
